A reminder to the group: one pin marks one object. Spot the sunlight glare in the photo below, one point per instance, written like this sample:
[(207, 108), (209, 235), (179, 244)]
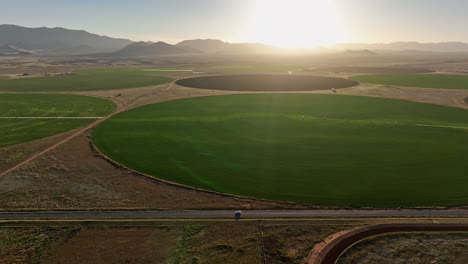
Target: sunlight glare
[(295, 23)]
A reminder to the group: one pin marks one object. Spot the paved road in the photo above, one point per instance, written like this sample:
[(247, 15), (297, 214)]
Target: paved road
[(51, 117), (229, 214)]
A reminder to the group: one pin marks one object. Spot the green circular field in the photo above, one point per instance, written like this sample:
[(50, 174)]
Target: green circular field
[(321, 149), (26, 117), (440, 81), (88, 80)]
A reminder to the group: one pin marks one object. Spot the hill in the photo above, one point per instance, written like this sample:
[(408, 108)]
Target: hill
[(154, 49), (12, 50), (205, 45), (406, 46), (218, 46), (364, 52), (58, 40)]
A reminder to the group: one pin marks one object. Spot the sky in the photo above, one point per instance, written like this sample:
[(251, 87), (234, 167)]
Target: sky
[(301, 23)]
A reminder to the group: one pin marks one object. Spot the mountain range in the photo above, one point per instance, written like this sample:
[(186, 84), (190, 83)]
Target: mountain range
[(193, 47), (157, 49), (17, 40), (57, 40), (405, 46)]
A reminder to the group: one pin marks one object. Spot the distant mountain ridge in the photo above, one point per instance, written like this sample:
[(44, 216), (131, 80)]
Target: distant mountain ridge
[(12, 50), (405, 46), (193, 47), (17, 40), (218, 46), (364, 52), (204, 45), (58, 40), (154, 49)]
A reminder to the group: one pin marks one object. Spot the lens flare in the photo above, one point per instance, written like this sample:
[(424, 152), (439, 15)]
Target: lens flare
[(295, 23)]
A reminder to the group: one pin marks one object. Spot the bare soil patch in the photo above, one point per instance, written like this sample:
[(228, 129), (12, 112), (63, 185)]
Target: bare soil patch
[(373, 70), (410, 248), (331, 251), (264, 82), (13, 155), (73, 176), (118, 245)]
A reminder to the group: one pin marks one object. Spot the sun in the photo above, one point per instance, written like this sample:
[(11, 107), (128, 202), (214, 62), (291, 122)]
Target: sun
[(295, 23)]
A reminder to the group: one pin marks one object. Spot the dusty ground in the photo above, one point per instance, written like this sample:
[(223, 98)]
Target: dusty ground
[(182, 242), (29, 244), (12, 155), (171, 242), (175, 243), (117, 245), (410, 248)]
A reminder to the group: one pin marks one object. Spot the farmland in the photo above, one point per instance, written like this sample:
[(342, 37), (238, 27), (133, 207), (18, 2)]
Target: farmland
[(261, 67), (265, 82), (26, 117), (376, 70), (321, 149), (416, 80), (88, 80)]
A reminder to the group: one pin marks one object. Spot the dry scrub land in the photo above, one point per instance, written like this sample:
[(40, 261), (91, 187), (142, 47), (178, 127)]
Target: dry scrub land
[(173, 243)]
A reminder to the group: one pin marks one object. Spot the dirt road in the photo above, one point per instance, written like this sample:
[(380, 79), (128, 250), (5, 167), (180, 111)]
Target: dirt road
[(86, 128)]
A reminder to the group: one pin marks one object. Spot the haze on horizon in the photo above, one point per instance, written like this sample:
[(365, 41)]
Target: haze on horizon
[(293, 23)]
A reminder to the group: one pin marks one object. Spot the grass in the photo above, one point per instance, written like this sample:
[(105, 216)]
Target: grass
[(88, 80), (416, 80), (14, 130), (321, 149), (261, 67)]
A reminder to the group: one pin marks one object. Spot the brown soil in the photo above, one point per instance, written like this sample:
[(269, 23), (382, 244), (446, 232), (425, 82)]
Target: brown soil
[(264, 82), (118, 245), (412, 248), (376, 70), (13, 155), (466, 100), (330, 251), (291, 244), (72, 176), (277, 242), (215, 244)]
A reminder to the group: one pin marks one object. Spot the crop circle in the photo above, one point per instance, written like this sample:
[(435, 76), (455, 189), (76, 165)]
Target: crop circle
[(264, 82), (321, 149)]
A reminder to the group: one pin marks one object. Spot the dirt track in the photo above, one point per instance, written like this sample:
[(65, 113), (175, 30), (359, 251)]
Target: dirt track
[(331, 251)]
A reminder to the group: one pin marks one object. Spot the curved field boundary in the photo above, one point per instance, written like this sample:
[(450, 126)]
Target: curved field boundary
[(381, 70), (79, 132), (434, 81), (266, 82), (188, 187), (329, 251)]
